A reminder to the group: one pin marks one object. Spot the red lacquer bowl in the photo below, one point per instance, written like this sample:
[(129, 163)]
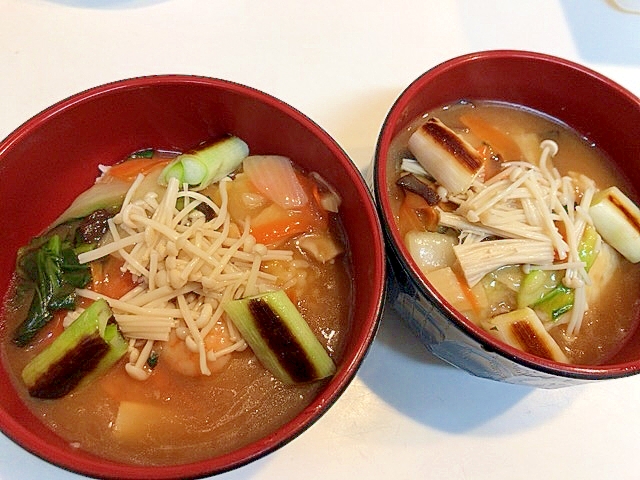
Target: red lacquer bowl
[(54, 156), (602, 111)]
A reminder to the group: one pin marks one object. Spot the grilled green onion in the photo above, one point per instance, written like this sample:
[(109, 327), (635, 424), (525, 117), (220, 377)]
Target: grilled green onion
[(280, 337), (208, 165), (87, 348)]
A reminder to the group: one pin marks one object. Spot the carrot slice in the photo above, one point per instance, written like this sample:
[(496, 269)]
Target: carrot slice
[(499, 141), (109, 280), (275, 224), (129, 169), (468, 293), (415, 214)]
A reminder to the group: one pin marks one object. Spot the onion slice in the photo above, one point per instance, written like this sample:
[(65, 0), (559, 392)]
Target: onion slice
[(275, 178)]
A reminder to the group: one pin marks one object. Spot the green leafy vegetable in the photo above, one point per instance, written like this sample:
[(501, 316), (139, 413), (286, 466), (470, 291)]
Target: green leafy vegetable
[(54, 270), (145, 153), (152, 361)]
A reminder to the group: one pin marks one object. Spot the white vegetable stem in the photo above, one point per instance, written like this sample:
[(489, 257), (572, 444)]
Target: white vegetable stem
[(617, 219)]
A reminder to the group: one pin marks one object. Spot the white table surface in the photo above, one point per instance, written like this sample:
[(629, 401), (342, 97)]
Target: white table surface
[(406, 415)]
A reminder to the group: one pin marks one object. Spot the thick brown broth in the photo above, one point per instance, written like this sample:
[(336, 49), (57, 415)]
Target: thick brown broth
[(194, 417), (186, 418), (608, 323)]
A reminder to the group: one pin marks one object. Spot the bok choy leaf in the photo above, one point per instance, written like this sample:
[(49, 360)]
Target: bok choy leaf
[(55, 272)]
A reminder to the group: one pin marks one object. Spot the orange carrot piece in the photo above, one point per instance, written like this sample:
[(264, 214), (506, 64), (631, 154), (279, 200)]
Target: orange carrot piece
[(275, 224), (408, 219), (499, 141), (468, 293), (129, 169), (109, 280), (415, 214), (492, 163), (118, 386)]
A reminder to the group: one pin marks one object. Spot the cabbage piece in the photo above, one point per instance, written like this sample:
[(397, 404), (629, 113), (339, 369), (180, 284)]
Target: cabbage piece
[(274, 177), (107, 195), (470, 302)]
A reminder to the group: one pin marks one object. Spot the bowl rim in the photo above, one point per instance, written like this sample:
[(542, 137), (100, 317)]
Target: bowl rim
[(392, 237), (94, 465)]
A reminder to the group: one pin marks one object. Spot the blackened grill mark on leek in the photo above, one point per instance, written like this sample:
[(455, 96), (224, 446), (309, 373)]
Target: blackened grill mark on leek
[(281, 340), (63, 376), (631, 218), (529, 340), (451, 142)]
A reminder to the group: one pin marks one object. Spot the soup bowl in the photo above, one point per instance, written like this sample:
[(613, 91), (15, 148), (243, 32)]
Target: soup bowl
[(596, 107), (55, 155)]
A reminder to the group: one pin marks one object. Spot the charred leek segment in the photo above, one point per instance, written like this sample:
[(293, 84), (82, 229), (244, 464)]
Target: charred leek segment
[(453, 162), (87, 348), (54, 270), (208, 165), (522, 329), (617, 220), (280, 337)]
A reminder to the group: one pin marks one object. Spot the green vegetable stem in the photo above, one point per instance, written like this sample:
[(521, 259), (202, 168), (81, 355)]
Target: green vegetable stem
[(207, 165), (87, 348), (280, 337)]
